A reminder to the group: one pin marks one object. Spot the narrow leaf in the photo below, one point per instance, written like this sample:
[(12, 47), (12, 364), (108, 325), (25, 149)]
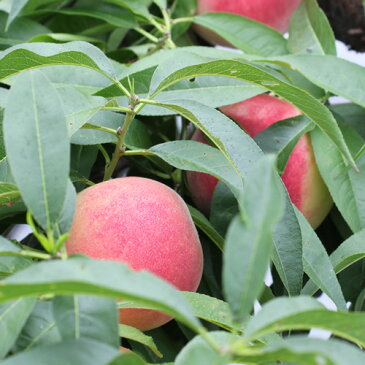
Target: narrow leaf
[(310, 106), (347, 187), (243, 33), (317, 264), (13, 316), (97, 278), (135, 334), (249, 239), (310, 31), (37, 145)]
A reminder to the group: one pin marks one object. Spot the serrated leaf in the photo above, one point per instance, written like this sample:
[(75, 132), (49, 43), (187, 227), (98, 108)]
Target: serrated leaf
[(94, 277), (243, 33), (310, 31), (249, 239), (37, 145), (310, 106)]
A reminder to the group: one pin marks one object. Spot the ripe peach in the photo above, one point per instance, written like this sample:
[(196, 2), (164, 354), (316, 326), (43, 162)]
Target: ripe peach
[(145, 224), (301, 175)]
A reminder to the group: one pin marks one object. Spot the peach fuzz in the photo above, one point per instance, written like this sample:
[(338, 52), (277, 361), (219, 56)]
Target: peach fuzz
[(301, 175), (145, 224)]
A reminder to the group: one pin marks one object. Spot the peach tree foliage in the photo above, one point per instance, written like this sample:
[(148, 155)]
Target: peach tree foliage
[(95, 90)]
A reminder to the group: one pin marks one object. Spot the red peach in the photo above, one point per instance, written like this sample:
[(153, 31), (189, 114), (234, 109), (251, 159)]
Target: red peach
[(145, 224), (301, 175)]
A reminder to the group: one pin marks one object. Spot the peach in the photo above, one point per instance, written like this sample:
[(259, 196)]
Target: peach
[(145, 224), (301, 175)]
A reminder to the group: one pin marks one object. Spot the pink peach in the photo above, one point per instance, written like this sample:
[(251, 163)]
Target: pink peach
[(145, 224), (301, 175)]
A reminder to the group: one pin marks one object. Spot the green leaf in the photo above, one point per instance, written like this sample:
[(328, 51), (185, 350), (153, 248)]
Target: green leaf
[(243, 33), (301, 313), (288, 250), (68, 209), (349, 252), (128, 359), (16, 7), (280, 138), (113, 15), (203, 223), (10, 264), (310, 31), (13, 316), (195, 156), (319, 69), (345, 185), (40, 328), (199, 352), (310, 106), (37, 145), (317, 264), (9, 194), (79, 107), (82, 275), (212, 310), (87, 316), (135, 334), (137, 7), (21, 30), (80, 352), (26, 56), (249, 239), (306, 351), (223, 208), (226, 135)]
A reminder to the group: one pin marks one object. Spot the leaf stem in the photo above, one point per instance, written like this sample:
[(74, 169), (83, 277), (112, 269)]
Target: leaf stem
[(99, 128), (182, 20), (149, 36), (118, 109), (119, 150), (138, 153)]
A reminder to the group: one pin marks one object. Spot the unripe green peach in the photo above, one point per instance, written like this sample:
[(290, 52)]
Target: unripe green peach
[(145, 224)]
